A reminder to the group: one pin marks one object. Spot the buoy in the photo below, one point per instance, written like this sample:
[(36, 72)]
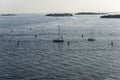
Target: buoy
[(68, 43), (82, 35), (111, 43), (35, 36)]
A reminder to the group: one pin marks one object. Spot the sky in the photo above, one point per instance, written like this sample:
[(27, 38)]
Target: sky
[(50, 6)]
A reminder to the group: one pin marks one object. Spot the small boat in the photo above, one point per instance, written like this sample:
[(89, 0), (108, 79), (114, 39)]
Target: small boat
[(60, 38), (91, 38), (58, 41)]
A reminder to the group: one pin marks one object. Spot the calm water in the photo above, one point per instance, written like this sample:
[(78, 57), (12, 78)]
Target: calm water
[(41, 59)]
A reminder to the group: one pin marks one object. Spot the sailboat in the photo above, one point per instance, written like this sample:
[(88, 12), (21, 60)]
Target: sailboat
[(91, 38), (60, 38)]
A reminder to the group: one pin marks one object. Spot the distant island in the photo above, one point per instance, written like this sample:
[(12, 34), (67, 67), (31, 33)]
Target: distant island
[(89, 13), (59, 14), (110, 16), (8, 14)]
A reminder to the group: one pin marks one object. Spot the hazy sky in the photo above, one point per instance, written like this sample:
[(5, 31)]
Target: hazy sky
[(37, 6)]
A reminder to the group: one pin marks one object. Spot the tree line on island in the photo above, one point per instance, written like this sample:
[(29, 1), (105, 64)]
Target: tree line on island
[(69, 14), (103, 15)]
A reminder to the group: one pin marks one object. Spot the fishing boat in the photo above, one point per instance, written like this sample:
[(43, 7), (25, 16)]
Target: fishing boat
[(60, 38)]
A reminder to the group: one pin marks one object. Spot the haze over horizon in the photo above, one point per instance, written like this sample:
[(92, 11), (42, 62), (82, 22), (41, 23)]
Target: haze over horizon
[(46, 6)]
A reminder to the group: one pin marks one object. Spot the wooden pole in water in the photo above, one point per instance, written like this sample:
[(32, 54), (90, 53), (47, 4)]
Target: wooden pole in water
[(82, 35), (59, 37), (111, 43), (35, 35), (68, 43)]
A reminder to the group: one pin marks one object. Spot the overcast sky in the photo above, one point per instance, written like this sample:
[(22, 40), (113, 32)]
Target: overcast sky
[(43, 6)]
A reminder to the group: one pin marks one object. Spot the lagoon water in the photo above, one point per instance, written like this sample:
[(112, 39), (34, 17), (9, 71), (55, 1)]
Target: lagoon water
[(41, 59)]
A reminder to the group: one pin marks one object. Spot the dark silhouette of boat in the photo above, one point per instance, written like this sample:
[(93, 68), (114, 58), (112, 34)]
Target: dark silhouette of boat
[(59, 14), (91, 38), (60, 38), (110, 16)]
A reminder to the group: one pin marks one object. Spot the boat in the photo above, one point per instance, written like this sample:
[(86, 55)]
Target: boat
[(91, 38), (60, 38)]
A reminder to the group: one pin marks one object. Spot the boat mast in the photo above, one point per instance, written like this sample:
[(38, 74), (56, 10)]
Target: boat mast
[(59, 34)]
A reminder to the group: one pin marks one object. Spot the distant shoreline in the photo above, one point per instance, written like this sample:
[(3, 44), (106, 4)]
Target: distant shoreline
[(89, 13), (59, 14), (8, 15)]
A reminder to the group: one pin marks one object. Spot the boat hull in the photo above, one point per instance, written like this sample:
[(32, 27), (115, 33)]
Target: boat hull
[(58, 41), (91, 39)]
